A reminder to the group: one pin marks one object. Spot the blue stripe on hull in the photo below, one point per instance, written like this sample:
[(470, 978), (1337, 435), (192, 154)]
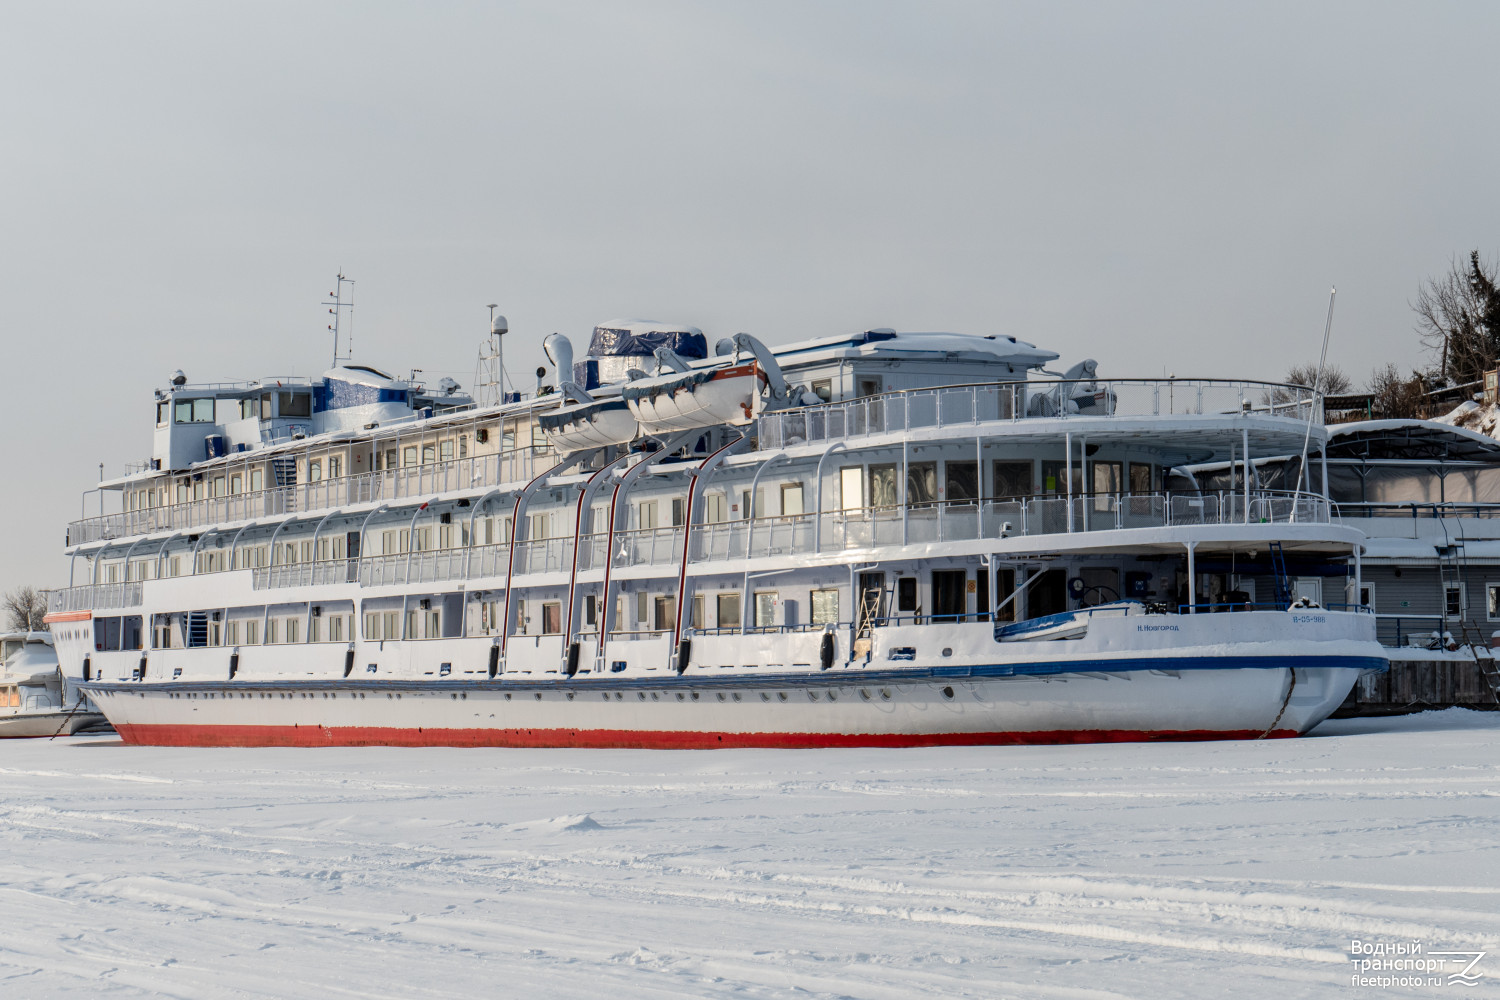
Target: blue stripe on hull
[(842, 676)]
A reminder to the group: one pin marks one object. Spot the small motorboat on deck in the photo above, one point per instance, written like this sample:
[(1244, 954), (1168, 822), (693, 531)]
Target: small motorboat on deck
[(35, 698)]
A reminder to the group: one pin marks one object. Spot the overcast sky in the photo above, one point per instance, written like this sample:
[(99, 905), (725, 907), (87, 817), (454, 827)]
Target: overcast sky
[(1163, 187)]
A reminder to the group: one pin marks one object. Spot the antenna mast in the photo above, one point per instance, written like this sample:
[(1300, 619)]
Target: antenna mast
[(489, 372), (337, 305)]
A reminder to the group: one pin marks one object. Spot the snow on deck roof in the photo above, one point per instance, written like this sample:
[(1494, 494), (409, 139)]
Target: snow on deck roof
[(874, 343), (1409, 438)]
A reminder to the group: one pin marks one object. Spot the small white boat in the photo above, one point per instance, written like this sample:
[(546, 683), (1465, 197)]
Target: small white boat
[(685, 401), (1067, 625), (595, 424), (35, 699)]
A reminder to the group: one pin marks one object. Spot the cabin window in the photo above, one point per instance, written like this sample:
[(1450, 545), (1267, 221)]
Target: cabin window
[(252, 633), (271, 632), (336, 628), (429, 454), (646, 514), (1141, 479), (265, 406), (851, 487), (1108, 477), (232, 633), (315, 470), (869, 387), (335, 466), (882, 480), (1005, 586), (679, 511), (949, 594), (198, 489), (961, 482), (823, 389), (182, 492), (791, 499), (539, 524), (906, 594), (696, 619), (389, 625), (247, 409), (728, 611), (292, 629), (666, 613), (642, 600), (434, 624), (825, 606), (765, 608), (372, 625), (551, 618), (257, 480), (445, 451), (218, 486), (921, 482), (294, 404), (714, 508), (463, 446), (1055, 478), (409, 455), (590, 609)]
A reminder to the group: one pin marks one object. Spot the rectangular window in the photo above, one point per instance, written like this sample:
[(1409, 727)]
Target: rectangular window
[(791, 499), (390, 458), (728, 611), (315, 629), (960, 482), (315, 470), (390, 625), (825, 606), (1107, 476), (765, 608), (252, 633), (255, 480), (463, 446), (823, 389), (539, 525), (666, 613), (293, 627), (1454, 603), (429, 454), (372, 625), (906, 594), (445, 451), (883, 491), (409, 455), (335, 466), (248, 409), (641, 601), (336, 628), (591, 609), (851, 487), (1141, 478), (182, 492), (1005, 586), (163, 410), (646, 514), (294, 404), (434, 624), (714, 508), (921, 482), (1055, 478), (271, 632), (265, 406), (697, 617), (679, 511)]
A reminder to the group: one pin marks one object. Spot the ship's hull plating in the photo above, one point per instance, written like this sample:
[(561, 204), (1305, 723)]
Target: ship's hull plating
[(877, 710)]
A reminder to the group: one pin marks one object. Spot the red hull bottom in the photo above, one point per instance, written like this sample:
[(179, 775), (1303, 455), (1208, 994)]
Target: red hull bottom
[(354, 736)]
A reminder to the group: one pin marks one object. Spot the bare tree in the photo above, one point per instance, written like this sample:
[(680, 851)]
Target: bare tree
[(24, 609), (1396, 396), (1335, 382), (1458, 316)]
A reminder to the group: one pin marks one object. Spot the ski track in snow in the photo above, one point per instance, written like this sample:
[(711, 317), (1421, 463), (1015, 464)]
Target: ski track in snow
[(1087, 872)]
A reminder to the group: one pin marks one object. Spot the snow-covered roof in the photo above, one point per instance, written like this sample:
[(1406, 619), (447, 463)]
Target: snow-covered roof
[(1420, 439)]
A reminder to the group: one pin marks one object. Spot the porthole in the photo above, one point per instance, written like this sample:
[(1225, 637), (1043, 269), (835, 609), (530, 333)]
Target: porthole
[(604, 695), (947, 650), (507, 696), (781, 695), (864, 694), (764, 696), (885, 694), (641, 695), (655, 696), (453, 695), (619, 696), (721, 695), (833, 696), (947, 692), (539, 696), (570, 695), (680, 696), (812, 696), (736, 696), (694, 695), (463, 696)]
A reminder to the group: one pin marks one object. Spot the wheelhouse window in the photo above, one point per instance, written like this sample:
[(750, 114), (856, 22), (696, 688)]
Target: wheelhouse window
[(294, 404), (193, 411), (248, 409)]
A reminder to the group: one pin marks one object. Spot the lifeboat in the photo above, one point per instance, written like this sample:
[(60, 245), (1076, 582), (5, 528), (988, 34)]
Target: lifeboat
[(685, 401), (595, 424)]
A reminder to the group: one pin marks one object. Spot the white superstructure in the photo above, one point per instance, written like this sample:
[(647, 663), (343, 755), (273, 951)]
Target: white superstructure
[(886, 538)]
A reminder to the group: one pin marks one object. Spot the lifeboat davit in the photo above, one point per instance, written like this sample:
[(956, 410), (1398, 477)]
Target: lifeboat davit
[(595, 424), (685, 401)]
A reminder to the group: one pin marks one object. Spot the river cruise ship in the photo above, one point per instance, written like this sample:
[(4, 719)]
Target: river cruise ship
[(884, 539)]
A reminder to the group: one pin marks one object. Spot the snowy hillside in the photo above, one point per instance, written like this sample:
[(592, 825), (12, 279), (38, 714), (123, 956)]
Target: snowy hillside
[(1223, 869)]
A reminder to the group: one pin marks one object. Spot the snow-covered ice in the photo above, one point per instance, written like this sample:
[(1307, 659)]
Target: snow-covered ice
[(1210, 869)]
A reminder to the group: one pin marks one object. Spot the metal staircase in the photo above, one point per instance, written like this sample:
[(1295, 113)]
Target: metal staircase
[(1279, 577)]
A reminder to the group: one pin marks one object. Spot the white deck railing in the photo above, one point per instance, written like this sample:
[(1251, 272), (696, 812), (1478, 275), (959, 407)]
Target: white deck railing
[(327, 494), (972, 405)]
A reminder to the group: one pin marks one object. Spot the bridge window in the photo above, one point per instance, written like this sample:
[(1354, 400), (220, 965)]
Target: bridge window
[(193, 411), (294, 404)]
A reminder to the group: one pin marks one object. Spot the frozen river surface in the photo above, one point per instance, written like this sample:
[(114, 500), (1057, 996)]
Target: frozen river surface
[(1211, 869)]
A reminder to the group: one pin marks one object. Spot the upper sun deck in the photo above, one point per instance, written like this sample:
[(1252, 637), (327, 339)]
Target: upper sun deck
[(500, 447)]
